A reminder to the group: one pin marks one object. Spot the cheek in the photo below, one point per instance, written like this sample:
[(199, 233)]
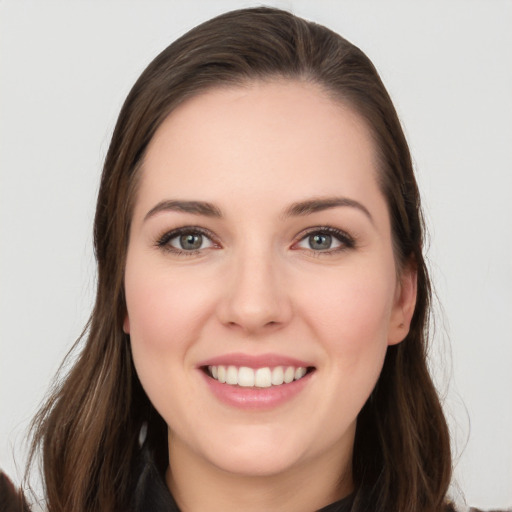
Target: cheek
[(164, 313), (165, 317), (163, 308), (352, 314)]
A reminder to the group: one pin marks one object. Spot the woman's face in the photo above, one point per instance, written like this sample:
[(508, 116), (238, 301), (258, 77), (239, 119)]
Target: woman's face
[(260, 253)]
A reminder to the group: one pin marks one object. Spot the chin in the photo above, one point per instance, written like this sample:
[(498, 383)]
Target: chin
[(256, 464), (261, 453)]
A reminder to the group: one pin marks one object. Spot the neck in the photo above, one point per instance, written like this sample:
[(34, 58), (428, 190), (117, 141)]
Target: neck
[(197, 485)]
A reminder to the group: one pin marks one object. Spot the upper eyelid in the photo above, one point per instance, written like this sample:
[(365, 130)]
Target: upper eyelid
[(189, 229), (324, 229), (169, 234)]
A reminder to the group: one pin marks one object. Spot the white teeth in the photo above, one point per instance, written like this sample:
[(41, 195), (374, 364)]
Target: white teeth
[(277, 376), (260, 377), (299, 373), (263, 378), (232, 375), (246, 377), (289, 374)]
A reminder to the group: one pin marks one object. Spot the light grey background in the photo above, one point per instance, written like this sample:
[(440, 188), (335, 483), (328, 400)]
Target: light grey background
[(65, 69)]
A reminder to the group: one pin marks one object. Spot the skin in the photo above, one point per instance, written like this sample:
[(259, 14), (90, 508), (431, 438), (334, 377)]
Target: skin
[(259, 287)]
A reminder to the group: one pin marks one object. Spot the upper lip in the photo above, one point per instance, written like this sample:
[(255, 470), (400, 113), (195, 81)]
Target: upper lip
[(254, 361)]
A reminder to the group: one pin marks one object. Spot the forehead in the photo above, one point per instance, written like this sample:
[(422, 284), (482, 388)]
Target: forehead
[(255, 139)]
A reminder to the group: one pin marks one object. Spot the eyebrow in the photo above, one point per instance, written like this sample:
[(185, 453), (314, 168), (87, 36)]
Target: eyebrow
[(194, 207), (298, 209), (317, 205)]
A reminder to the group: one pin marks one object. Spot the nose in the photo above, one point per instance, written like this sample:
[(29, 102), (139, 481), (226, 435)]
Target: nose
[(255, 298)]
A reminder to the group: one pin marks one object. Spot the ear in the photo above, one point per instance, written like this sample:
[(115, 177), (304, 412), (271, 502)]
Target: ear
[(405, 302), (126, 324)]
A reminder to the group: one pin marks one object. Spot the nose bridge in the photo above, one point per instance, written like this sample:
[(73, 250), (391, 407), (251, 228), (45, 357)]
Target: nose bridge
[(256, 297)]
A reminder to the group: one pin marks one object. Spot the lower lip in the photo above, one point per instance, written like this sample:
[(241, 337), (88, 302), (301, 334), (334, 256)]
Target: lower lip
[(256, 398)]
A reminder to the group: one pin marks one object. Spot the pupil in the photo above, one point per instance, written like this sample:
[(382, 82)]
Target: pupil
[(320, 241), (191, 242)]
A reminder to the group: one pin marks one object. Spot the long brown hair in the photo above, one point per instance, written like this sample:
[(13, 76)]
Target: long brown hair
[(88, 430)]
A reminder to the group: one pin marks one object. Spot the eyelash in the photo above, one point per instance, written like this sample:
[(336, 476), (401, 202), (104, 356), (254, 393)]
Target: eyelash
[(163, 241), (346, 241)]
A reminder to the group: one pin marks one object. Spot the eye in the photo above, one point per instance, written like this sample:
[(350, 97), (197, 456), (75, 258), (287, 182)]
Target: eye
[(190, 242), (185, 240), (326, 240), (319, 242)]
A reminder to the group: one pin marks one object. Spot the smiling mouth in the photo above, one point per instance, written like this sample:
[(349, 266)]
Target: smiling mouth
[(265, 377)]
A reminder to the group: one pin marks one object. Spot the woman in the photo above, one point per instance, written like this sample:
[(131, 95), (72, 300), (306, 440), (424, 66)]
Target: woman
[(258, 340)]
